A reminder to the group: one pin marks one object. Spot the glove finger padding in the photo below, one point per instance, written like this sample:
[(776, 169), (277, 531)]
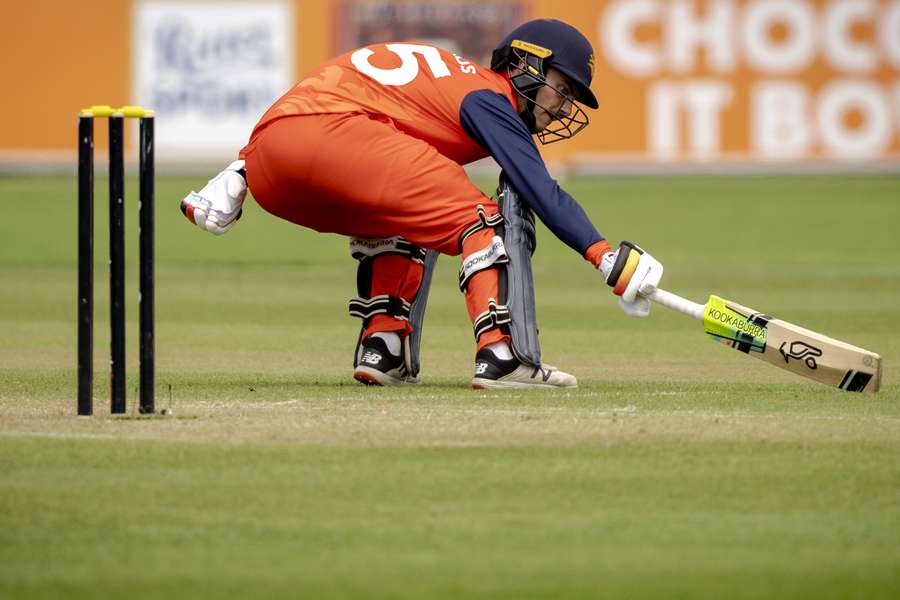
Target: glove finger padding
[(194, 207), (651, 281), (645, 278), (217, 223), (639, 308)]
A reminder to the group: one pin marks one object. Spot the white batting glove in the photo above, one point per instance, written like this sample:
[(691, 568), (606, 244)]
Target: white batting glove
[(633, 274), (217, 207)]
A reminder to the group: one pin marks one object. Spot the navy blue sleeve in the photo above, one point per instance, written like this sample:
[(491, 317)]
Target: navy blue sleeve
[(489, 119)]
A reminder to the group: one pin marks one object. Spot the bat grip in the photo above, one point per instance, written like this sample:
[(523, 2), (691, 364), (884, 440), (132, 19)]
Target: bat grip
[(675, 302)]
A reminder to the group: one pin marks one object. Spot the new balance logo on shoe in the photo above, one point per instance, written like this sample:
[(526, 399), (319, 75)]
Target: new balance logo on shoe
[(545, 374), (372, 358), (480, 368)]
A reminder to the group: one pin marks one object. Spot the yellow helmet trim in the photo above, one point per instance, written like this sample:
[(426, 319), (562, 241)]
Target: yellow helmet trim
[(538, 51)]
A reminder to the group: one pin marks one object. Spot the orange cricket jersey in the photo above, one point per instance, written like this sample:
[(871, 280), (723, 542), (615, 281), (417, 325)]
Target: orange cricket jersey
[(417, 87)]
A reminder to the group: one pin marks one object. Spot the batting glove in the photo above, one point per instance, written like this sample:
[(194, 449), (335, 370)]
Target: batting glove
[(217, 207), (633, 274)]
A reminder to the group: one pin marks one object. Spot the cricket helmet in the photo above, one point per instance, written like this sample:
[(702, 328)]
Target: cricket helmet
[(526, 54), (550, 43)]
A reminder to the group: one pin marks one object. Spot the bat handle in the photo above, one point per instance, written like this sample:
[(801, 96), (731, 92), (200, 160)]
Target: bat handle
[(676, 302)]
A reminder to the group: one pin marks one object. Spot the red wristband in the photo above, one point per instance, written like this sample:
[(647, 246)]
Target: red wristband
[(595, 252)]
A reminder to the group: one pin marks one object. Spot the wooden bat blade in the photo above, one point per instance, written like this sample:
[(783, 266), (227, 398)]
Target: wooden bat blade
[(792, 347)]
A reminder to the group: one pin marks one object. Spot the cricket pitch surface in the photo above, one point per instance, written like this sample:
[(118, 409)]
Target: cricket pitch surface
[(677, 468)]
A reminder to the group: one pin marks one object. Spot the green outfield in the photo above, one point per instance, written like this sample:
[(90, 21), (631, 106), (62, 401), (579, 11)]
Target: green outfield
[(678, 468)]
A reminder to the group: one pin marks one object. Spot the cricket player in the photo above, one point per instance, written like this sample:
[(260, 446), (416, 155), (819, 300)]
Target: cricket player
[(371, 145)]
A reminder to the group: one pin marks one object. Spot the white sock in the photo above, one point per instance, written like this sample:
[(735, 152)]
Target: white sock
[(392, 339), (501, 350)]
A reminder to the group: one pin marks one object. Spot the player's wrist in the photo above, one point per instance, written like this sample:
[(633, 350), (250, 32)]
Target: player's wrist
[(594, 253)]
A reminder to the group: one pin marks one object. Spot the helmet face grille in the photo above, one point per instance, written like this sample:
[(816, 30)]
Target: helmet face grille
[(563, 127), (527, 75)]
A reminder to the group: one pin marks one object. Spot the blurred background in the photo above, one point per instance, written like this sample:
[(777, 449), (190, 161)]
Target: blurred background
[(710, 85)]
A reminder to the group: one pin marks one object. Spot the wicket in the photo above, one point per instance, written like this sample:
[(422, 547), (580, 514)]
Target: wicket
[(116, 118)]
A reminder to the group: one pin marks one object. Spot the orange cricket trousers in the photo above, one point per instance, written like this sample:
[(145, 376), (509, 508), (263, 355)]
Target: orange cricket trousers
[(358, 176)]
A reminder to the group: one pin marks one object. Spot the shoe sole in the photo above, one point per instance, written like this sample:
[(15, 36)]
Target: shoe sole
[(369, 376), (493, 384)]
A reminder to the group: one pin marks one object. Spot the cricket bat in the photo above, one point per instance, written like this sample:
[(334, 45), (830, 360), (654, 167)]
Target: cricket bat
[(782, 344)]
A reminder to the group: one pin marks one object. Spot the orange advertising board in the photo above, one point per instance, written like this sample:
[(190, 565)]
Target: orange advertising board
[(678, 81), (767, 80)]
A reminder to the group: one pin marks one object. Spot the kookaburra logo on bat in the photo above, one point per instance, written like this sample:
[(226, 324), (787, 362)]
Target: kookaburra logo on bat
[(800, 351)]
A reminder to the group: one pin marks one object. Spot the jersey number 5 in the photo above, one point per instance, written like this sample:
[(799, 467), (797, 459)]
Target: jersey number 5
[(409, 67)]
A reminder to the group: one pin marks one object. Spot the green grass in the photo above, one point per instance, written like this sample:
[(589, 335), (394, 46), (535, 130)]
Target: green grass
[(677, 469)]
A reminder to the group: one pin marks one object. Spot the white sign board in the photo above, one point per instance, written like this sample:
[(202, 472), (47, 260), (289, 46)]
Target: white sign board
[(210, 70)]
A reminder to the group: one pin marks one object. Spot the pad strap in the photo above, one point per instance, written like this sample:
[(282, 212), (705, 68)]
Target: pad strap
[(494, 254), (361, 248), (366, 308), (484, 222), (494, 316)]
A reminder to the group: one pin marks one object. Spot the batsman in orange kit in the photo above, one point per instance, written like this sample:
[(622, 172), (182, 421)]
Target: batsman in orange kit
[(372, 144)]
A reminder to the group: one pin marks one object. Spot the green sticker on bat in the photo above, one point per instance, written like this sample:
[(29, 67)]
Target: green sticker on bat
[(726, 324)]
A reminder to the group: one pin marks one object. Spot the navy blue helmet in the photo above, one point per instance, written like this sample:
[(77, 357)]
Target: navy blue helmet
[(532, 48), (571, 52)]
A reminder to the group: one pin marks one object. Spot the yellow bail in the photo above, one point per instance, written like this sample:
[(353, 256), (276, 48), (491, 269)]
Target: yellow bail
[(103, 110)]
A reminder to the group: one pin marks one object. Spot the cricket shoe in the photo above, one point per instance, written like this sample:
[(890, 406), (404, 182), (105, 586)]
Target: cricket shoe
[(493, 372), (376, 365)]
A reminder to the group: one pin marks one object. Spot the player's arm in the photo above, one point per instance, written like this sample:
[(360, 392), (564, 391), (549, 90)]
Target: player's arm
[(490, 120)]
